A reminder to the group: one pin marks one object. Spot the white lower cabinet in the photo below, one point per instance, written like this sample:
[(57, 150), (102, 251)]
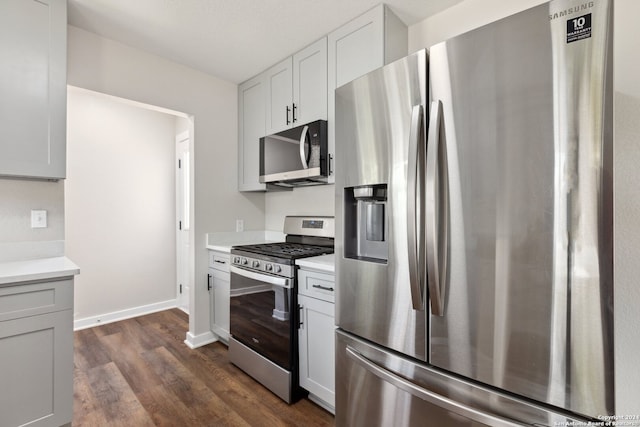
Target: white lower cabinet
[(36, 350), (316, 342), (219, 292)]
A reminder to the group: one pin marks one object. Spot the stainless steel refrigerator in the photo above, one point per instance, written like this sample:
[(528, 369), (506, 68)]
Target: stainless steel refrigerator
[(474, 228)]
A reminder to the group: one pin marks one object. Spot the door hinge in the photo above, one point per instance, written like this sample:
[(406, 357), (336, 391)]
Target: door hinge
[(180, 287)]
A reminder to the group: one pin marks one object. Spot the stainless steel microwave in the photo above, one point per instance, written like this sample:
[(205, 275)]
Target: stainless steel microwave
[(296, 156)]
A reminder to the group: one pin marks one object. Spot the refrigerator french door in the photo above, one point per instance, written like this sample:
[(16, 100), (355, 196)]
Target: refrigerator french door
[(474, 227)]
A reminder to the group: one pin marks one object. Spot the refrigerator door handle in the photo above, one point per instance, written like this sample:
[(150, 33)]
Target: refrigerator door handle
[(415, 210), (303, 138), (428, 395), (436, 214)]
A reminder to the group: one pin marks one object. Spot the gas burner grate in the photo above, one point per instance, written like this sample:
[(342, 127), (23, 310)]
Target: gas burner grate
[(288, 250)]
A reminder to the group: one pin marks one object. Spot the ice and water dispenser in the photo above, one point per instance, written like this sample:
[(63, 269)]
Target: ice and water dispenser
[(366, 225)]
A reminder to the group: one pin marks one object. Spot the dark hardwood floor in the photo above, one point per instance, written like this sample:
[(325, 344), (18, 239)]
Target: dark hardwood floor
[(139, 372)]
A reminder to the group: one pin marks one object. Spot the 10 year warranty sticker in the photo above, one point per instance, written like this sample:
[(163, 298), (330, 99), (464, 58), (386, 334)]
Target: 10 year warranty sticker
[(579, 28)]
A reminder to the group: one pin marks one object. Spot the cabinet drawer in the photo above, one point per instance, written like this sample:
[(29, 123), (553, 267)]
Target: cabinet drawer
[(35, 298), (316, 285), (219, 261)]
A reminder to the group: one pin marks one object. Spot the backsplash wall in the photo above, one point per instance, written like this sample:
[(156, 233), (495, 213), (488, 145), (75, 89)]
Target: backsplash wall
[(314, 200), (17, 199)]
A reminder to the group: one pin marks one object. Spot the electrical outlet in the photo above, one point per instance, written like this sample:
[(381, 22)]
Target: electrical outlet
[(38, 219), (239, 225)]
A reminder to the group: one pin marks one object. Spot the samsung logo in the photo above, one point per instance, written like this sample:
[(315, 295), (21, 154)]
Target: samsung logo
[(571, 10)]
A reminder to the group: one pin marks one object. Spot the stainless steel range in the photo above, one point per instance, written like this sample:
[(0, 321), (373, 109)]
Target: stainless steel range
[(263, 318)]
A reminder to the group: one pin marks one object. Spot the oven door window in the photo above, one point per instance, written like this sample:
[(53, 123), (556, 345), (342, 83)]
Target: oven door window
[(260, 318)]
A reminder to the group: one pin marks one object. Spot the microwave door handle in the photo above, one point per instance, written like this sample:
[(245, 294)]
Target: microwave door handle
[(303, 138), (415, 210), (436, 214)]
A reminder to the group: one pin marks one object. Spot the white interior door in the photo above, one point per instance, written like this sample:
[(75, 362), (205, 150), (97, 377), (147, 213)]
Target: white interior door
[(183, 224)]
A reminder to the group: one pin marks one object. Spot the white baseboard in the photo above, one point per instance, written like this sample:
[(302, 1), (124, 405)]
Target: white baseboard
[(195, 341), (90, 322)]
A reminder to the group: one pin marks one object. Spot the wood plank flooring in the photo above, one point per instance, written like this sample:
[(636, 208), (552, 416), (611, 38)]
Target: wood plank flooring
[(139, 372)]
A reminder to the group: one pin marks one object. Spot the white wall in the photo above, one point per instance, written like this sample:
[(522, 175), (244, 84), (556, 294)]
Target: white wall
[(474, 13), (18, 197), (119, 205), (314, 200), (112, 68)]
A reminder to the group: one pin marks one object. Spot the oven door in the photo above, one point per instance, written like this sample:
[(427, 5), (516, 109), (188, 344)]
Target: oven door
[(260, 314)]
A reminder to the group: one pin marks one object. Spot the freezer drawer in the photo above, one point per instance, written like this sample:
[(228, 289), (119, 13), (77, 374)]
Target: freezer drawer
[(379, 388)]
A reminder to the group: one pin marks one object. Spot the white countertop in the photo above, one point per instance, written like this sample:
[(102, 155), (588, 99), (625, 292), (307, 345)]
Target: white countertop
[(37, 269), (223, 241), (324, 263)]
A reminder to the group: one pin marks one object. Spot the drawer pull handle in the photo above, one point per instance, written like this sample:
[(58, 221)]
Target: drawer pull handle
[(220, 262), (324, 288)]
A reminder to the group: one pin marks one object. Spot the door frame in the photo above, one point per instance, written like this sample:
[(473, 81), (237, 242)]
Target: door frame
[(184, 220)]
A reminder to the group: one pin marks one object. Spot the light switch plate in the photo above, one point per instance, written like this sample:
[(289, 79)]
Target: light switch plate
[(38, 219)]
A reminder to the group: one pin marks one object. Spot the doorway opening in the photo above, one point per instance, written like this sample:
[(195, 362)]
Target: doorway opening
[(122, 208)]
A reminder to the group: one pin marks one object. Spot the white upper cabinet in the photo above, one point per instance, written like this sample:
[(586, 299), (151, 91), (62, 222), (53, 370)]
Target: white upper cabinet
[(370, 41), (301, 89), (297, 89), (279, 96), (251, 127), (33, 88), (364, 44), (310, 83)]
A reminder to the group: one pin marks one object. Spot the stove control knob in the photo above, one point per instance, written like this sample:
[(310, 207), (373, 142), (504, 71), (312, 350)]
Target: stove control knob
[(256, 264), (244, 261), (236, 260), (268, 267), (278, 269)]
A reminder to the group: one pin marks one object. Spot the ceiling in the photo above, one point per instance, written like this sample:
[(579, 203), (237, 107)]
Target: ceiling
[(230, 39)]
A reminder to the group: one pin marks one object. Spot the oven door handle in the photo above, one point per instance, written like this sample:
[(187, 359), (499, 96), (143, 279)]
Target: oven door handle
[(283, 282)]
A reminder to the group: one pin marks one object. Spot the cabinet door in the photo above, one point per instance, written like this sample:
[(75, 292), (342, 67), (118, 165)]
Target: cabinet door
[(356, 48), (310, 83), (279, 97), (317, 348), (251, 127), (220, 300), (33, 88), (37, 370)]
